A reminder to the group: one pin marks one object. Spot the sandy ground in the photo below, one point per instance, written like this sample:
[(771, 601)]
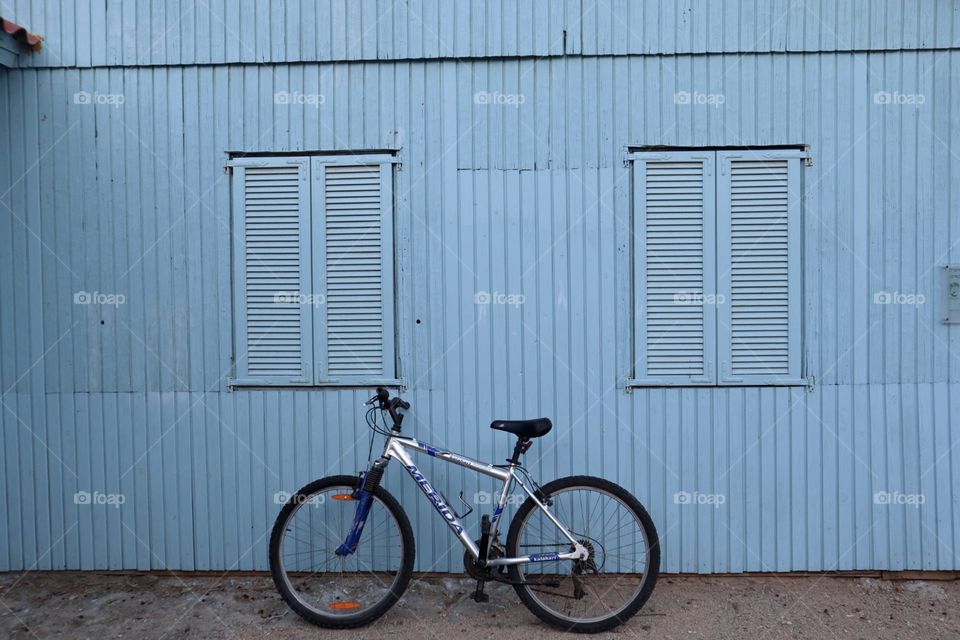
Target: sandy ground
[(102, 606)]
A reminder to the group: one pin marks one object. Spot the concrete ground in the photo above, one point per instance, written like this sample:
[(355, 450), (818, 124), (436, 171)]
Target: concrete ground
[(101, 606)]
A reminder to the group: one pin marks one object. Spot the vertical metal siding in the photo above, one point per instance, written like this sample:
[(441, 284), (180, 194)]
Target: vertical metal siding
[(183, 32), (532, 199)]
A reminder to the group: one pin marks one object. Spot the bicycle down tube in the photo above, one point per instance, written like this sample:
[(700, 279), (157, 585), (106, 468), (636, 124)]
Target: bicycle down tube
[(397, 447)]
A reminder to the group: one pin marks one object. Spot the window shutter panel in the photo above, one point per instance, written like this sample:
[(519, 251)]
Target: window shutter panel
[(357, 327), (759, 266), (272, 271), (674, 236)]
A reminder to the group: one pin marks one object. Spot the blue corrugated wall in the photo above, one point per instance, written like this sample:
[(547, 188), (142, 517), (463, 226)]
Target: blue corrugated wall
[(531, 199)]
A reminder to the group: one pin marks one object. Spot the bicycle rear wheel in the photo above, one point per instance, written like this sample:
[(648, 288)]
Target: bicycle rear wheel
[(614, 582), (340, 591)]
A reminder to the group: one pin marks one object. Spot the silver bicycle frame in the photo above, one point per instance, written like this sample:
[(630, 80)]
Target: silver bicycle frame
[(398, 446)]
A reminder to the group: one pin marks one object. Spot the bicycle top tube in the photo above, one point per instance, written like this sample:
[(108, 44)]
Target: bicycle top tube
[(394, 444)]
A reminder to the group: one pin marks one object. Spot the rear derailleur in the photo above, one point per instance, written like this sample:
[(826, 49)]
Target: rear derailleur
[(582, 566)]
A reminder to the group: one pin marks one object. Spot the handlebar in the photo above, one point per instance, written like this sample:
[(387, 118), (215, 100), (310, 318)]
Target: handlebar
[(390, 404)]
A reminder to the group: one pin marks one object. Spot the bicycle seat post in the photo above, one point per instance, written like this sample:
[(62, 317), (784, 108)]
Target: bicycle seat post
[(521, 447)]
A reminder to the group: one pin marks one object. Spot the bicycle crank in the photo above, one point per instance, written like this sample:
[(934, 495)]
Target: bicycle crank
[(497, 550)]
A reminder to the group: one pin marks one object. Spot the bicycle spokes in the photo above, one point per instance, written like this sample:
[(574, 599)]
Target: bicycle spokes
[(609, 579), (350, 578)]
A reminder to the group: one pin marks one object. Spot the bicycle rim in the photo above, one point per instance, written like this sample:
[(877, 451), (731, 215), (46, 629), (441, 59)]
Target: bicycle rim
[(619, 563), (335, 586)]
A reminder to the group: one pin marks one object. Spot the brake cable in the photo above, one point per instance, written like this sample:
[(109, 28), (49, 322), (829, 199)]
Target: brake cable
[(375, 428)]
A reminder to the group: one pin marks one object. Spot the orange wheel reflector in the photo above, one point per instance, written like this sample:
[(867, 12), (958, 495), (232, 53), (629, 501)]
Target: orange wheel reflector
[(342, 496), (348, 604)]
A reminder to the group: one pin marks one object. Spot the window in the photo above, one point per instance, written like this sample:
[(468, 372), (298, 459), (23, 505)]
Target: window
[(313, 270), (717, 267)]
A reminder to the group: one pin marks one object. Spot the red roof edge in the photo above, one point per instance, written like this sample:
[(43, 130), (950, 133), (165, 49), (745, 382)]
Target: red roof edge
[(32, 40)]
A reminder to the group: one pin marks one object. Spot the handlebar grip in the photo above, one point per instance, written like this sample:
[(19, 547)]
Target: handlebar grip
[(386, 402)]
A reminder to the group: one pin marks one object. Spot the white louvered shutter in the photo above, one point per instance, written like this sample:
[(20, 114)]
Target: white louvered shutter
[(758, 229), (272, 271), (674, 241), (356, 329)]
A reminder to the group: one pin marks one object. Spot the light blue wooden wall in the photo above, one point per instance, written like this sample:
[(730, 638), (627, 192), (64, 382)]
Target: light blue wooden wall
[(531, 199)]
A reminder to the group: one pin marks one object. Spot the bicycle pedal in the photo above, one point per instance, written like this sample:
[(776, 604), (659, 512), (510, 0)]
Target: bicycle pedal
[(479, 595)]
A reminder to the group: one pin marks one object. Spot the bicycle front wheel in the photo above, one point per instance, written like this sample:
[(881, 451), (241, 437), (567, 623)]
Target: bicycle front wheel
[(613, 583), (340, 591)]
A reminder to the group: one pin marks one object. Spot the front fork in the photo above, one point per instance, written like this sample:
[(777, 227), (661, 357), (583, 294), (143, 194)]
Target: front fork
[(364, 498)]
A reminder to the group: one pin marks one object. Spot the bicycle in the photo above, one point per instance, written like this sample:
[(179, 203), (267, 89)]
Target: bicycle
[(589, 576)]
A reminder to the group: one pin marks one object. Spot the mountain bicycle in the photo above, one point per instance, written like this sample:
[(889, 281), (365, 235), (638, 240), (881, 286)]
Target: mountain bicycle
[(581, 552)]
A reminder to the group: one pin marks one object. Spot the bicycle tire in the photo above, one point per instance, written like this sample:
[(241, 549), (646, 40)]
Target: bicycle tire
[(283, 585), (653, 555)]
